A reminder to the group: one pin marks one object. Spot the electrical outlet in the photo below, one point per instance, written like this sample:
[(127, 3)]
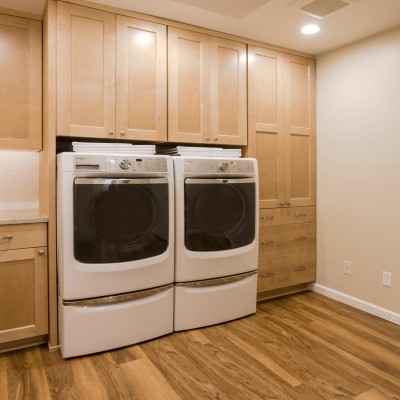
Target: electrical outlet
[(387, 278), (347, 267)]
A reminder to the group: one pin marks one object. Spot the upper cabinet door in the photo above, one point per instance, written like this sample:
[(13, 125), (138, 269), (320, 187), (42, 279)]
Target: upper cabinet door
[(266, 123), (228, 92), (188, 86), (85, 72), (21, 83), (141, 93), (299, 81)]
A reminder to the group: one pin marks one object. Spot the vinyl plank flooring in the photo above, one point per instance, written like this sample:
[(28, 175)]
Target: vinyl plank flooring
[(300, 347)]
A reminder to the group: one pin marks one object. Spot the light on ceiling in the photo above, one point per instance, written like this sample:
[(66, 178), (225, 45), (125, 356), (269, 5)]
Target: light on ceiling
[(310, 29)]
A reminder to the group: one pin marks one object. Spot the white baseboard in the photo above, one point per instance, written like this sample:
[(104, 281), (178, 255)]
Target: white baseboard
[(356, 303)]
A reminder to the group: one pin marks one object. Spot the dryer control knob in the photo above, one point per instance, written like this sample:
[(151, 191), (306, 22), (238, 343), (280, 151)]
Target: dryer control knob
[(223, 166), (125, 164)]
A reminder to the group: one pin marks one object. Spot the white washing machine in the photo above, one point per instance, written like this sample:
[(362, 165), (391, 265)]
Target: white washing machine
[(216, 240), (115, 250)]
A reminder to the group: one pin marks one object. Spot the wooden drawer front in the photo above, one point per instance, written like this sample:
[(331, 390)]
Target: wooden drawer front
[(22, 236), (284, 271), (287, 239), (281, 216)]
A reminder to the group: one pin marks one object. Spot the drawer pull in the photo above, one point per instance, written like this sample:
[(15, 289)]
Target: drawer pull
[(300, 215), (300, 238), (41, 252), (288, 204), (300, 268), (7, 237), (267, 242), (267, 217), (266, 275)]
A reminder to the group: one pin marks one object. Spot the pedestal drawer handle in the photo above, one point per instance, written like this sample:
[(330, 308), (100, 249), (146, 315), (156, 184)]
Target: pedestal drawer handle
[(267, 242), (300, 215), (267, 217), (300, 238), (300, 268), (7, 237), (266, 275)]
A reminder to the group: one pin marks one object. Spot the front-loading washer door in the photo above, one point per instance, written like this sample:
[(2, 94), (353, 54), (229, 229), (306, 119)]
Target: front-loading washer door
[(220, 214), (119, 220)]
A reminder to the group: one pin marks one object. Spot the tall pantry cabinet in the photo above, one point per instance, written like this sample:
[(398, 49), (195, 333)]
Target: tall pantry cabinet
[(282, 138)]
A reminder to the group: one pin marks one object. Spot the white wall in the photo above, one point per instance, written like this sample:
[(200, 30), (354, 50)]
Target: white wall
[(358, 168), (19, 180)]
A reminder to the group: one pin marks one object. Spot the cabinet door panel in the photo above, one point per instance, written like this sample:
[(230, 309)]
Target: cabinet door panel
[(141, 97), (228, 92), (266, 123), (300, 131), (188, 86), (286, 239), (284, 271), (23, 294), (85, 72), (21, 84)]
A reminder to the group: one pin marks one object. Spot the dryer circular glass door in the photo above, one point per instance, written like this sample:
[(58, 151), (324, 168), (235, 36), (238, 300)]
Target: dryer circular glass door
[(118, 220), (219, 213)]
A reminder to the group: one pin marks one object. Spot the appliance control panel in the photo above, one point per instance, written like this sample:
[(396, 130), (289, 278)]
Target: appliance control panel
[(120, 163), (219, 166)]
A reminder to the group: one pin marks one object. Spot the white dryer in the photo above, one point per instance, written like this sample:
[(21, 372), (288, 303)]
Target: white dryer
[(216, 240), (115, 250)]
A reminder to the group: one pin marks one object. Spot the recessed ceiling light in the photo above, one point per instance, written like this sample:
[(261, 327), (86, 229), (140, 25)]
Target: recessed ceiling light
[(310, 29)]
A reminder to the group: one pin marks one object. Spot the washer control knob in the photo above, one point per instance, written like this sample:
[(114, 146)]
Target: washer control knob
[(125, 164), (223, 166)]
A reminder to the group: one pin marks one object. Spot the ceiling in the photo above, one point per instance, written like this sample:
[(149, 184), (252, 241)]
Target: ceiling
[(277, 22)]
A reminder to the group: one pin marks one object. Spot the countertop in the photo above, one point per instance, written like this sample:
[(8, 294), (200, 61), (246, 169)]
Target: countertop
[(22, 216)]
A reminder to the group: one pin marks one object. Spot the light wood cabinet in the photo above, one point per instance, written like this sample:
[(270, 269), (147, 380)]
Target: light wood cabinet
[(111, 75), (207, 90), (282, 138), (23, 282), (286, 247), (21, 83), (282, 126)]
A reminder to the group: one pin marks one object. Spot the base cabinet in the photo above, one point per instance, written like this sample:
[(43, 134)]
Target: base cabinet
[(286, 255), (23, 282)]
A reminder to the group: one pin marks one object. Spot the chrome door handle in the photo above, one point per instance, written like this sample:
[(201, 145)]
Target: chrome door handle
[(300, 238), (7, 237), (267, 242)]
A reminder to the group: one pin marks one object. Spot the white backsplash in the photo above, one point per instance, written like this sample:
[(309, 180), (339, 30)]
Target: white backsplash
[(19, 180)]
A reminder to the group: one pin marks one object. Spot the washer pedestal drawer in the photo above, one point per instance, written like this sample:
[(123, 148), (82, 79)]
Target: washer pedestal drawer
[(94, 328), (197, 306)]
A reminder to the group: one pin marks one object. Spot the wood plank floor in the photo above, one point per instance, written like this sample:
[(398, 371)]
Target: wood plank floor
[(305, 346)]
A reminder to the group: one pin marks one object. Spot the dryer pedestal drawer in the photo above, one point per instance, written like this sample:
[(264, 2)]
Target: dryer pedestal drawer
[(90, 329), (197, 306)]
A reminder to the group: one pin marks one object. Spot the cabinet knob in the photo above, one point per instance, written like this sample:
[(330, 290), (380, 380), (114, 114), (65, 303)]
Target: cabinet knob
[(215, 139), (207, 139), (41, 252), (111, 133), (282, 204), (267, 217), (288, 204), (266, 275), (7, 237), (300, 215), (122, 133), (300, 268)]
